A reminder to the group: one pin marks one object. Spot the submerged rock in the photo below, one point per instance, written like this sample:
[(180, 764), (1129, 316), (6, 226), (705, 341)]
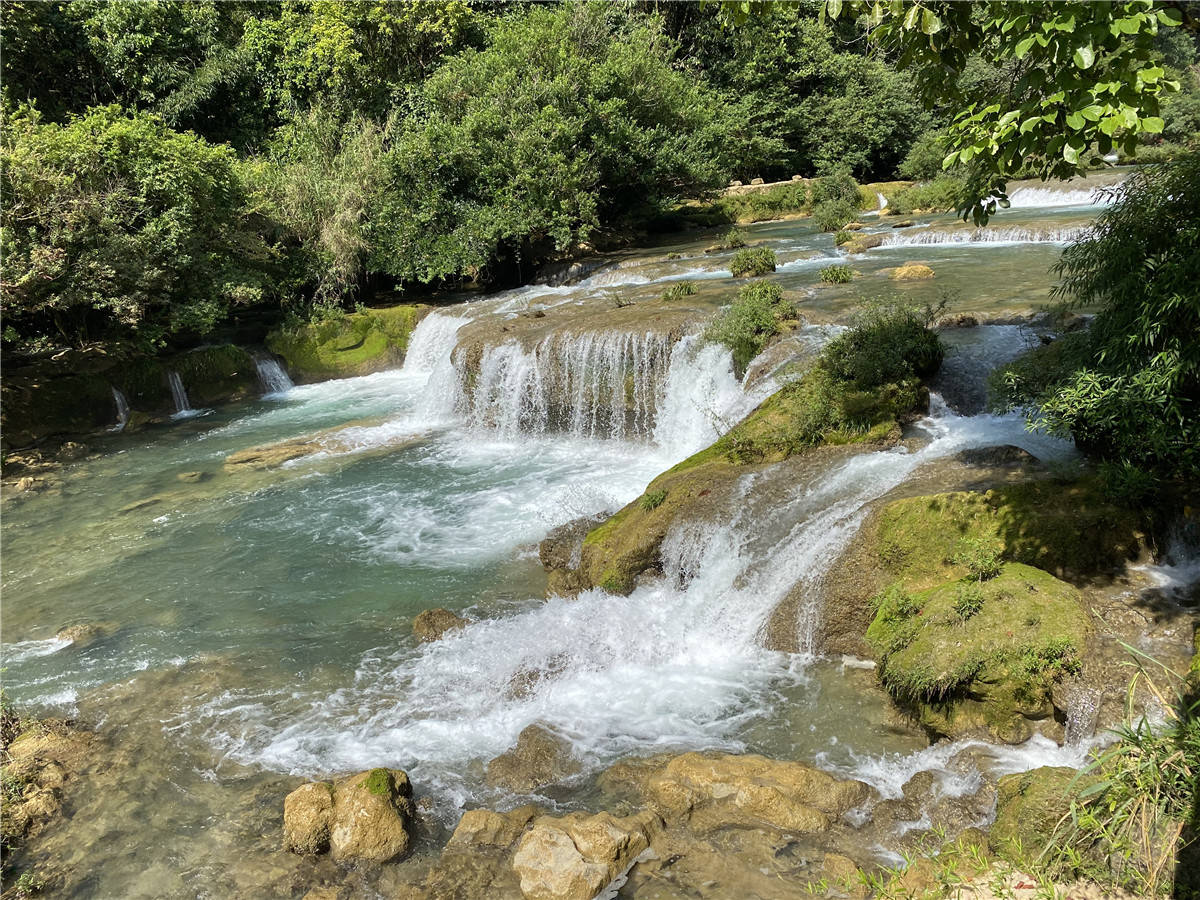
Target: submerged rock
[(539, 758), (365, 816), (40, 758), (432, 624), (193, 477), (85, 633)]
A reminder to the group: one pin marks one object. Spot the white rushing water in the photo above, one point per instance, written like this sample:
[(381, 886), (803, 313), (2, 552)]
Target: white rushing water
[(122, 410), (677, 663), (1045, 197), (272, 376), (179, 396), (992, 234)]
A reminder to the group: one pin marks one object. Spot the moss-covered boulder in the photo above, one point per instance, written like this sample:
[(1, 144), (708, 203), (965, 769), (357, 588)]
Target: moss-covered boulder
[(1033, 809), (35, 407), (972, 657), (355, 344)]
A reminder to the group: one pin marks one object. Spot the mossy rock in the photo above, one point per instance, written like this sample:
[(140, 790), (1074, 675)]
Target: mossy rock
[(1030, 807), (215, 375), (986, 666), (863, 243), (1070, 530), (34, 408), (355, 344)]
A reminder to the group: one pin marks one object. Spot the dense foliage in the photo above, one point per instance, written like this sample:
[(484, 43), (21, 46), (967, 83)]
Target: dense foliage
[(1128, 388), (755, 316), (116, 224)]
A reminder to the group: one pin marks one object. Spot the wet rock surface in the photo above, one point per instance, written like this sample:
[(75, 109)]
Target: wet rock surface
[(540, 758), (433, 624), (365, 816)]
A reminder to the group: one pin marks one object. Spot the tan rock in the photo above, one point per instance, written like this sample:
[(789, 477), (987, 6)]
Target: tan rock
[(912, 272), (756, 181), (432, 624), (487, 828), (863, 243), (193, 477), (572, 858), (713, 790), (539, 758), (85, 633), (371, 815), (307, 818)]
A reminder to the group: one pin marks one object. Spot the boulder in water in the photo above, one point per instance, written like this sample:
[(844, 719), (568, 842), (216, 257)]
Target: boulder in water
[(996, 457), (193, 477), (539, 758), (365, 816), (756, 181), (307, 814), (907, 223), (863, 243), (85, 633), (574, 857), (717, 790), (71, 450), (912, 272), (487, 828), (432, 624), (1029, 806)]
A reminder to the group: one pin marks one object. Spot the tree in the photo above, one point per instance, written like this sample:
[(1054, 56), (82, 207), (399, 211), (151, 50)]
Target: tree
[(1086, 79), (115, 226), (571, 125)]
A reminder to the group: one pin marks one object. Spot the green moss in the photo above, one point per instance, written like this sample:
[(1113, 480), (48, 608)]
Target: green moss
[(653, 499), (213, 375), (1029, 808), (356, 344), (1070, 530), (989, 669), (379, 782)]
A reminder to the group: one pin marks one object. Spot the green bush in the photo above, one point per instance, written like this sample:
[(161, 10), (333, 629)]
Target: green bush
[(843, 237), (831, 215), (679, 290), (839, 187), (889, 342), (752, 262), (981, 559), (758, 206), (117, 227), (750, 321), (943, 194), (733, 239), (1128, 390), (652, 499), (968, 600), (836, 274), (924, 159)]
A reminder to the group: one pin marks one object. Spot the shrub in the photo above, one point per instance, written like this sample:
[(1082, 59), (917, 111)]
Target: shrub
[(843, 237), (837, 188), (836, 274), (750, 321), (888, 342), (924, 159), (981, 559), (652, 499), (942, 194), (831, 215), (968, 600), (752, 262), (733, 239), (679, 290)]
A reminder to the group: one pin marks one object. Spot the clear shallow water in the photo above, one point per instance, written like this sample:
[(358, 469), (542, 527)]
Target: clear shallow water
[(259, 622)]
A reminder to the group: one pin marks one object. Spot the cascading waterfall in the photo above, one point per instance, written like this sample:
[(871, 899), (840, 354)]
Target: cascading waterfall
[(883, 201), (988, 235), (1044, 197), (179, 395), (122, 410), (272, 376)]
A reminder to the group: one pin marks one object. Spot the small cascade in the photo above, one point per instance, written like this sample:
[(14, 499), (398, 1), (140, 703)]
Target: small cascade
[(1083, 712), (1043, 197), (987, 235), (883, 201), (272, 376), (430, 356), (122, 410), (183, 409), (591, 385)]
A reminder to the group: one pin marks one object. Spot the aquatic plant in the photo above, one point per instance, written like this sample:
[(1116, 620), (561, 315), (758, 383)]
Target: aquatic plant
[(752, 262), (679, 290), (837, 274)]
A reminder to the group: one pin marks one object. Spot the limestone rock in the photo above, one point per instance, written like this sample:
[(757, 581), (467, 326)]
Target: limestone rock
[(907, 223), (714, 790), (912, 272), (572, 858), (269, 456), (487, 828), (72, 450), (371, 815), (1030, 804), (432, 624), (307, 814), (539, 758), (756, 181), (994, 457), (85, 633), (561, 548), (863, 243), (193, 477)]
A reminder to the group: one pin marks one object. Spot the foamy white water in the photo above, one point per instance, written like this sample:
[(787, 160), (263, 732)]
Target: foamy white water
[(989, 234)]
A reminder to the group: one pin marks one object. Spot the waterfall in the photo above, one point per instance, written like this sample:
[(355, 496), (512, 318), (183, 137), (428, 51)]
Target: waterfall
[(1042, 197), (271, 375), (988, 235), (593, 385), (179, 395), (1083, 711), (883, 201), (122, 410)]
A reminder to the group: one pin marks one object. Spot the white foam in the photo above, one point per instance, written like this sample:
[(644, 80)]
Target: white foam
[(23, 650)]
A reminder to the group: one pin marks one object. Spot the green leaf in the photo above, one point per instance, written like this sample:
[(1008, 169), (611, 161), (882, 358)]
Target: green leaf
[(1110, 124), (910, 20), (1152, 124), (1023, 47), (1075, 120), (1170, 17), (930, 23), (834, 8), (1084, 56), (1029, 124), (1070, 154)]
